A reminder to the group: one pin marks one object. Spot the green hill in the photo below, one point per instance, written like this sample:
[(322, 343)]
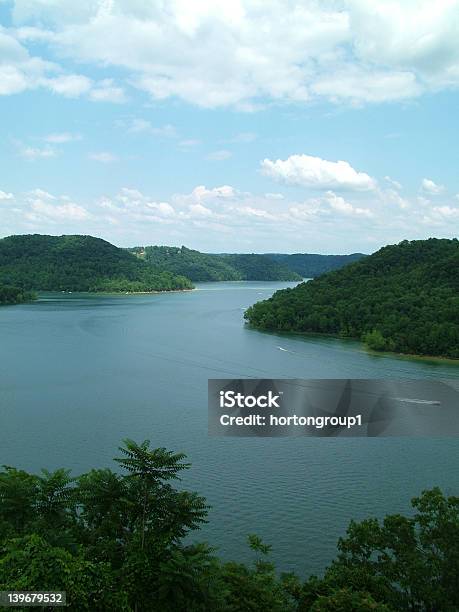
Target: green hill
[(258, 267), (197, 266), (203, 267), (78, 263), (310, 265), (403, 298)]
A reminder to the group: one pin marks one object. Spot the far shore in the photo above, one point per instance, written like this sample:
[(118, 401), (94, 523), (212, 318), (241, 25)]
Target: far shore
[(435, 358)]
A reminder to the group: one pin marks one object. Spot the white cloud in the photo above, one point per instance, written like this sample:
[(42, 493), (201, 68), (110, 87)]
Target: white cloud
[(446, 211), (6, 196), (104, 157), (107, 91), (139, 126), (67, 211), (70, 85), (340, 205), (245, 52), (46, 207), (430, 187), (189, 143), (200, 217), (34, 153), (20, 71), (201, 193), (243, 137), (358, 85), (61, 138), (274, 196), (395, 184), (200, 211), (219, 155), (317, 173), (392, 196)]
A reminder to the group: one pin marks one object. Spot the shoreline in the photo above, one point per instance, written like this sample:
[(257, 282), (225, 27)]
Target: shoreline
[(374, 353)]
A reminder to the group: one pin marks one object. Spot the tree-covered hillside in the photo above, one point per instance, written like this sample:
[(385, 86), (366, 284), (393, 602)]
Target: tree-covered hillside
[(258, 267), (403, 298), (197, 266), (78, 263), (203, 267), (14, 295), (310, 265)]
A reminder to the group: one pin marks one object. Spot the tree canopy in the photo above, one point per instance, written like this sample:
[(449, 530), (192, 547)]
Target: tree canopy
[(14, 295), (310, 265), (403, 298), (120, 541), (202, 267), (78, 263)]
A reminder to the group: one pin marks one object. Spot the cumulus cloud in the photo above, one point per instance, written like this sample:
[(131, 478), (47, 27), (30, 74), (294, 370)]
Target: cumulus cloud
[(4, 195), (199, 218), (244, 53), (429, 186), (21, 71), (317, 173), (339, 204), (45, 207)]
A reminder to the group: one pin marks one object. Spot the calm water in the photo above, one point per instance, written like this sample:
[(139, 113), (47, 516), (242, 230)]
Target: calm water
[(78, 373)]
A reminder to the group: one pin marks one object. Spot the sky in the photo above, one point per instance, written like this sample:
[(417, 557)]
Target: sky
[(231, 126)]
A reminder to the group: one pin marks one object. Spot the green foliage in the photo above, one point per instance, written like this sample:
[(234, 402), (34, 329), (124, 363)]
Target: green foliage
[(310, 265), (78, 263), (407, 563), (14, 295), (119, 542), (259, 267), (31, 564), (402, 298), (202, 267)]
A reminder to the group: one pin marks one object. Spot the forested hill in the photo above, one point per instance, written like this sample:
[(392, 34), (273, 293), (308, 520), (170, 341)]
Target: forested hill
[(403, 298), (78, 263), (209, 267), (310, 265)]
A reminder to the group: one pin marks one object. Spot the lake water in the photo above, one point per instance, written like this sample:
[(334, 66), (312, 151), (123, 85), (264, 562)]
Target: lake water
[(80, 372)]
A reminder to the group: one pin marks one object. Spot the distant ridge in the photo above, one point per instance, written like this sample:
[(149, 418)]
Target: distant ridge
[(78, 263), (201, 267), (310, 265), (403, 298)]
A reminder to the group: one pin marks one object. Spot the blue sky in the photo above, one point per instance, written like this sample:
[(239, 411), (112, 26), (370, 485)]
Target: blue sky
[(247, 126)]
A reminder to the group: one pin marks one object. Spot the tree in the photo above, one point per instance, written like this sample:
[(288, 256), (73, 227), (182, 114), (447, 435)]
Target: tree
[(117, 541), (409, 563)]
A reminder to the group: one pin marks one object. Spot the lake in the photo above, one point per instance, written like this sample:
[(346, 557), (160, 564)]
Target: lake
[(78, 373)]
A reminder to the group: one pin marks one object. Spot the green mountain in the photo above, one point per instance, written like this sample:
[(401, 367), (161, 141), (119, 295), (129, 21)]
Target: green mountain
[(310, 265), (78, 263), (403, 298), (209, 267)]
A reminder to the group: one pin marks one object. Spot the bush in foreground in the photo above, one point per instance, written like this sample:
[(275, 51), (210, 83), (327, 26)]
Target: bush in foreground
[(117, 542)]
